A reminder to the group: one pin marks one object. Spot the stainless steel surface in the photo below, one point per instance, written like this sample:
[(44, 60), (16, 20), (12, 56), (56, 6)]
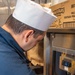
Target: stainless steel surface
[(66, 41), (64, 50), (46, 55), (61, 30), (51, 54), (62, 41)]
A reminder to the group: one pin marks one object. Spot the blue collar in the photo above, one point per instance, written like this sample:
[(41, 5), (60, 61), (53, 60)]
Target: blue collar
[(6, 38)]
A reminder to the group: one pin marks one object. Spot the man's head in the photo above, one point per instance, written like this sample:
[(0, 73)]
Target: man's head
[(33, 14), (27, 36), (18, 27), (29, 23)]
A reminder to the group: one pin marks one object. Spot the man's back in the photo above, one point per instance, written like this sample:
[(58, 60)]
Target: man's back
[(12, 59)]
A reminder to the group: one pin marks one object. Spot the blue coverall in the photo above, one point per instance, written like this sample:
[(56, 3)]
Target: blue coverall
[(12, 58)]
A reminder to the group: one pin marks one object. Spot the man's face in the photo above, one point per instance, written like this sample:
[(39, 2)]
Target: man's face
[(32, 41)]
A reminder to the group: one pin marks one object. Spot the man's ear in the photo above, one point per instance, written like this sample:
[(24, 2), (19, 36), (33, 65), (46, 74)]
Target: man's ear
[(28, 34)]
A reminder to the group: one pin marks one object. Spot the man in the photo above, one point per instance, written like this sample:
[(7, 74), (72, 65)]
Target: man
[(22, 30)]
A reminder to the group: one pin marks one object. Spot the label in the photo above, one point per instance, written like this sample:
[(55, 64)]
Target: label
[(65, 68)]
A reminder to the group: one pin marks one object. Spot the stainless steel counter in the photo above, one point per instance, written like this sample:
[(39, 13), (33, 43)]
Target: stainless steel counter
[(56, 39)]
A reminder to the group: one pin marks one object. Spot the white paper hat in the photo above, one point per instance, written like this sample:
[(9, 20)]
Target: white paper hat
[(33, 14)]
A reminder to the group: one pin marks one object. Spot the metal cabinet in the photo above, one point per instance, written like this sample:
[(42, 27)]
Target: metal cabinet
[(61, 40)]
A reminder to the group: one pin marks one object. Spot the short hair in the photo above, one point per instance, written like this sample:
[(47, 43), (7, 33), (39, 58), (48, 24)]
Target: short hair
[(19, 27)]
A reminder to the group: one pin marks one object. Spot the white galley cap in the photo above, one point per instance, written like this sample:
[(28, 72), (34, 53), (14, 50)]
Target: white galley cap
[(33, 14)]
